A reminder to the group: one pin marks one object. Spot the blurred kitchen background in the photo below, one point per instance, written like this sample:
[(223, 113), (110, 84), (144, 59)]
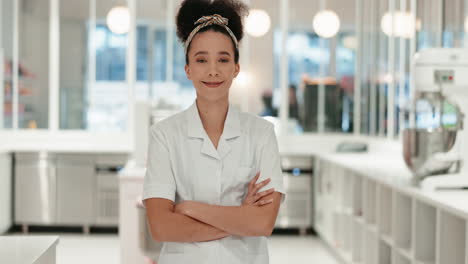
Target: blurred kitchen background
[(82, 81)]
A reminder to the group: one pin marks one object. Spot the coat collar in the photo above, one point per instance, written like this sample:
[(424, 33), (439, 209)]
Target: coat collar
[(231, 130), (195, 127)]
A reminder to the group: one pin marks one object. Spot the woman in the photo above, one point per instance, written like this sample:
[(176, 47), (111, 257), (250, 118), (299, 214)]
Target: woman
[(213, 185)]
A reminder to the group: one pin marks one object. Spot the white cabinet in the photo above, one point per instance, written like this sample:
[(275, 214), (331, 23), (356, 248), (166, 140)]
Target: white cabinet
[(366, 219), (131, 187), (28, 249), (5, 192), (451, 233), (425, 232)]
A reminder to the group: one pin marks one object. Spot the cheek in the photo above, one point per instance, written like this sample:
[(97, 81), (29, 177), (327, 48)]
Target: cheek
[(195, 72), (229, 71)]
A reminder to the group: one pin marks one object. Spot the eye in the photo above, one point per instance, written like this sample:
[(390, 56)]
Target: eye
[(224, 60), (201, 60)]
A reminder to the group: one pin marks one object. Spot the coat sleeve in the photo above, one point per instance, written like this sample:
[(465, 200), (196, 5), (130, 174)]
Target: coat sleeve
[(269, 163), (159, 179)]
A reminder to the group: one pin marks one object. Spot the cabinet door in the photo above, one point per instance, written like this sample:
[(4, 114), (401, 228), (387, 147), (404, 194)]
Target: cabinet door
[(35, 190), (75, 192), (296, 210)]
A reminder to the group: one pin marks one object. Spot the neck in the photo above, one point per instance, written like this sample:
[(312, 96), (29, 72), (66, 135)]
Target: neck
[(213, 114)]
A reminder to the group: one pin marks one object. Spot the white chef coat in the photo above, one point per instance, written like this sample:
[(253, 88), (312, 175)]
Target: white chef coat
[(183, 164)]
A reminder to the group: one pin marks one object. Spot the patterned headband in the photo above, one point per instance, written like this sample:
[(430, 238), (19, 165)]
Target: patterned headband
[(208, 21)]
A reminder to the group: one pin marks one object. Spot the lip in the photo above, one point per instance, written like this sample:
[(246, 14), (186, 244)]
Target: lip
[(212, 84)]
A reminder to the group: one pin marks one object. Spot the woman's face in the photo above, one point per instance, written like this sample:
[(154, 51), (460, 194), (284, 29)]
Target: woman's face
[(211, 65)]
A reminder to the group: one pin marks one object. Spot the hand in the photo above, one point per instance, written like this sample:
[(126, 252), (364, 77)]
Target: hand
[(253, 196)]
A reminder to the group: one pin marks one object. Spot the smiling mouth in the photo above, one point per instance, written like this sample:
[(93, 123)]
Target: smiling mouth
[(212, 84)]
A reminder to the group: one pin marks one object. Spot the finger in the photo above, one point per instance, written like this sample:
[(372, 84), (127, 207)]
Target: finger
[(254, 180), (247, 201), (263, 202), (257, 176), (260, 195), (260, 185)]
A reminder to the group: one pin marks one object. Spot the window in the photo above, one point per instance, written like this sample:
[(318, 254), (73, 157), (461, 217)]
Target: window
[(309, 64)]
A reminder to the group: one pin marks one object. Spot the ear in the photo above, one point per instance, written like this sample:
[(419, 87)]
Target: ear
[(236, 70), (187, 71)]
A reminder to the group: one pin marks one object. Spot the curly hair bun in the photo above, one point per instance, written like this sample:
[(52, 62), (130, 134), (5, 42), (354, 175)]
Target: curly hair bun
[(191, 10)]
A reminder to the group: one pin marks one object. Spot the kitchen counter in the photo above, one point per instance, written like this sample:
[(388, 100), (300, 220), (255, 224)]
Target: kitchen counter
[(28, 249), (132, 173), (64, 141), (390, 169), (75, 141), (369, 211)]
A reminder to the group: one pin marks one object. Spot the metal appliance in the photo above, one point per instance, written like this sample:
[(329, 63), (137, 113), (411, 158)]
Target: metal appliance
[(107, 167), (297, 209), (435, 142), (5, 192), (66, 189)]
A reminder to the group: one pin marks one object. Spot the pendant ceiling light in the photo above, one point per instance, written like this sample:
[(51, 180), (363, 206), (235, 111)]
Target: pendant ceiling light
[(400, 24), (118, 20), (326, 23), (257, 23)]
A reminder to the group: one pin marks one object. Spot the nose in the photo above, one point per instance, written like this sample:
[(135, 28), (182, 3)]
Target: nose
[(213, 71)]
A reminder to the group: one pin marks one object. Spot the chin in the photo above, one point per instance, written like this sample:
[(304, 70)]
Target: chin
[(212, 96)]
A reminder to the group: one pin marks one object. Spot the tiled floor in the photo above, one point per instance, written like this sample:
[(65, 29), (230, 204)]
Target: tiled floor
[(98, 249)]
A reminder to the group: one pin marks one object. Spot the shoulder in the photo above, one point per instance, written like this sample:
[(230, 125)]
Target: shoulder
[(170, 125), (254, 125)]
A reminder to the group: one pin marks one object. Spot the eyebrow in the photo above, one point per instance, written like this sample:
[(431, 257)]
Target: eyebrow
[(206, 52)]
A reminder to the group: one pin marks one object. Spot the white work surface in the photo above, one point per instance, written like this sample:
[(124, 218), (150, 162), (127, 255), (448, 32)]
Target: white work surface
[(390, 169), (64, 141), (28, 249)]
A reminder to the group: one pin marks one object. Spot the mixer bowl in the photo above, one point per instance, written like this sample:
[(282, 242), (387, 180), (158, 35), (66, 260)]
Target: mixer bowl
[(420, 146)]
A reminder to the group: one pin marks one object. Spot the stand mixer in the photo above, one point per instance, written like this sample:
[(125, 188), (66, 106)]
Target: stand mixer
[(435, 143)]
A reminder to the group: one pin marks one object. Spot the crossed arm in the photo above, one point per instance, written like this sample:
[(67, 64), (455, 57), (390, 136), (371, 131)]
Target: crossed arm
[(192, 221)]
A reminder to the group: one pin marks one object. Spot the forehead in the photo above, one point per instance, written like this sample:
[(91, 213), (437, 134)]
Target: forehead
[(211, 42)]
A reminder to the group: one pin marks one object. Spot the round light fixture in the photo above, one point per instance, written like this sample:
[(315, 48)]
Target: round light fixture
[(350, 42), (418, 24), (326, 23), (398, 24), (118, 20), (257, 23)]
